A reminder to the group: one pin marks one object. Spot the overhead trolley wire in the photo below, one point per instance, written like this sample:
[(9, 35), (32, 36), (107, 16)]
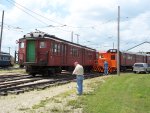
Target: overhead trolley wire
[(12, 1), (28, 13)]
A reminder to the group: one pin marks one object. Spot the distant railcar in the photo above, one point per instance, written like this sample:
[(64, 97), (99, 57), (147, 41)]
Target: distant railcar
[(42, 53), (5, 59), (127, 60)]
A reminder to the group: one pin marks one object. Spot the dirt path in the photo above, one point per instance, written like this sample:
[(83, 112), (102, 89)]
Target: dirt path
[(42, 100)]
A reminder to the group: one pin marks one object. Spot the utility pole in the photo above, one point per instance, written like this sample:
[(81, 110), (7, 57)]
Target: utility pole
[(1, 30), (9, 49), (118, 48), (72, 36), (113, 45), (77, 38)]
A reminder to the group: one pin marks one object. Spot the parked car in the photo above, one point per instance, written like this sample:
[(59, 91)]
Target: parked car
[(141, 67)]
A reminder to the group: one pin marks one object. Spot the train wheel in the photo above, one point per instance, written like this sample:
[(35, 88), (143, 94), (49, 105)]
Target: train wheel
[(32, 74), (21, 66), (49, 72), (58, 70)]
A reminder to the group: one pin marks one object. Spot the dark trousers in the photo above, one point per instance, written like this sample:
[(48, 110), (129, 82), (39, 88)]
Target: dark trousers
[(105, 70)]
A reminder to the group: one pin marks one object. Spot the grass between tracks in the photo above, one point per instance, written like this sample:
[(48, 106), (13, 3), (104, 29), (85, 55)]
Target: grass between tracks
[(5, 71), (12, 70)]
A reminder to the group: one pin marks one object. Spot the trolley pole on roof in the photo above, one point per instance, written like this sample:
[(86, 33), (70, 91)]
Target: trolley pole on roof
[(72, 36), (1, 30), (9, 49), (77, 38), (118, 48)]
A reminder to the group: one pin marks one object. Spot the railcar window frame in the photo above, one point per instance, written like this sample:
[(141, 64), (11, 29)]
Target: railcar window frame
[(21, 44), (74, 51), (58, 49), (42, 44), (55, 48)]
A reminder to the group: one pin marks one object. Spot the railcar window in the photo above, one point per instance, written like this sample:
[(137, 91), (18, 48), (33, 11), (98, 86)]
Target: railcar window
[(129, 57), (71, 50), (22, 45), (62, 49), (4, 58), (58, 49), (96, 55), (75, 52), (52, 49), (55, 48), (90, 55), (42, 45), (112, 57), (65, 50)]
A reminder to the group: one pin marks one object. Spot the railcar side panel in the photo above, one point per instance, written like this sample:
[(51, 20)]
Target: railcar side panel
[(148, 59), (129, 59), (22, 52), (43, 53), (140, 59)]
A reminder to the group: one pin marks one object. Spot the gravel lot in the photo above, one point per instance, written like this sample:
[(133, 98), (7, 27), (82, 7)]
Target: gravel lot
[(50, 100)]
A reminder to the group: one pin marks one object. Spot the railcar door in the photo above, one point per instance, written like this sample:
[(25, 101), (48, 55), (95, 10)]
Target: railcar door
[(64, 54), (30, 53)]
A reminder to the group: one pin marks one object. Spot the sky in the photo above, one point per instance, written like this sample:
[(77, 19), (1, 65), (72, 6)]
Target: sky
[(94, 21)]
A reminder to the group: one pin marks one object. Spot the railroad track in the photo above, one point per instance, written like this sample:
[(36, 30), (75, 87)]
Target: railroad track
[(20, 84)]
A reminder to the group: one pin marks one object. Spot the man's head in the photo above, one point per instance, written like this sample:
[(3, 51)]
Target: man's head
[(75, 63)]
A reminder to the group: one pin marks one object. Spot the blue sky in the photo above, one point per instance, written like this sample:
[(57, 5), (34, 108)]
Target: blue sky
[(94, 20)]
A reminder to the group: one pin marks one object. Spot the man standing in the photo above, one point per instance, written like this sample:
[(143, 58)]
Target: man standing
[(79, 71), (105, 68)]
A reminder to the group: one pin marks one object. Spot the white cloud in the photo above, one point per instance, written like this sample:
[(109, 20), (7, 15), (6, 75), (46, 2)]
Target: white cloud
[(99, 16)]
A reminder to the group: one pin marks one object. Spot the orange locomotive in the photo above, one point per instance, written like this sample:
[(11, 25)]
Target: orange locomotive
[(110, 57)]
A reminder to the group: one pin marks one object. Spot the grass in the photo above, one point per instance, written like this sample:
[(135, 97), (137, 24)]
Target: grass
[(128, 93), (42, 103), (13, 71)]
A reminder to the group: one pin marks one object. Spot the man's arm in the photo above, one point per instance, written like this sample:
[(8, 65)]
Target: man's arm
[(74, 71)]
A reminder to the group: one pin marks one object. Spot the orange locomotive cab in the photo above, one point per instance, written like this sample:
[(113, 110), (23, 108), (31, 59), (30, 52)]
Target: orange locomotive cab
[(110, 57)]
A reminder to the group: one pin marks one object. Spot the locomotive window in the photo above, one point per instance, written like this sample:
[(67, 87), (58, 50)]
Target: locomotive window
[(42, 45), (22, 45), (112, 57), (101, 56)]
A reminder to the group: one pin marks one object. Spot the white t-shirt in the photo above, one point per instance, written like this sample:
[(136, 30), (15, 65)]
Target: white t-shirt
[(78, 70)]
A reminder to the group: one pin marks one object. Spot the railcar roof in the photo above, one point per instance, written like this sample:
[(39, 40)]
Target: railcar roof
[(38, 35), (126, 52), (4, 53)]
